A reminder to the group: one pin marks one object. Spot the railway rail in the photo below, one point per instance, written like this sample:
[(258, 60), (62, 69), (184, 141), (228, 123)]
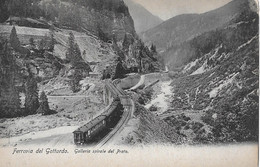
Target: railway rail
[(125, 118), (95, 126), (129, 109)]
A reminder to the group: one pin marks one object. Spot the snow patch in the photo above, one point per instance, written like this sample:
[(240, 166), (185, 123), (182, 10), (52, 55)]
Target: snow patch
[(200, 70), (161, 100), (204, 67), (190, 65), (216, 52), (214, 92), (248, 42), (211, 74)]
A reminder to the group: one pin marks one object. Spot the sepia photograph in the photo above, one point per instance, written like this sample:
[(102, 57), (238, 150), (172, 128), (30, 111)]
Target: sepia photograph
[(129, 83)]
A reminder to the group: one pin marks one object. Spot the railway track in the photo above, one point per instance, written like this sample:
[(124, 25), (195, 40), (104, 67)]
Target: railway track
[(125, 117), (93, 131), (120, 125)]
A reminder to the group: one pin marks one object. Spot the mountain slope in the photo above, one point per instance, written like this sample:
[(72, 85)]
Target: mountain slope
[(183, 27), (233, 34), (218, 83), (143, 19), (222, 92), (62, 38), (106, 17)]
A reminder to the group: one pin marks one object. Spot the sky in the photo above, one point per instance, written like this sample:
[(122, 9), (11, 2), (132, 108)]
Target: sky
[(166, 9)]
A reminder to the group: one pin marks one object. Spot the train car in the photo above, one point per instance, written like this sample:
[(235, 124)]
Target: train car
[(106, 120), (113, 114), (111, 108), (90, 130)]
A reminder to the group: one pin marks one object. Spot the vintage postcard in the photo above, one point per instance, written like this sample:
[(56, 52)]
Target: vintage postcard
[(93, 83)]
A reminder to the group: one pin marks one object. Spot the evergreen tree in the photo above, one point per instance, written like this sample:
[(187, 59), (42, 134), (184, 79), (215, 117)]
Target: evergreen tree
[(9, 96), (52, 43), (101, 34), (153, 48), (73, 53), (70, 49), (44, 105), (75, 87), (120, 71), (4, 11), (77, 53), (126, 43), (84, 53), (70, 17), (14, 40), (31, 95), (31, 41), (25, 8), (43, 43)]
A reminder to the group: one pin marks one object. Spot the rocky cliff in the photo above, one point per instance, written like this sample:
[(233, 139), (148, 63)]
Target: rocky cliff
[(143, 19), (102, 16)]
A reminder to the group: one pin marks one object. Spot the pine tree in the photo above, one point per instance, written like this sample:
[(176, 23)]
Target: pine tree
[(120, 71), (73, 53), (140, 57), (77, 54), (14, 40), (101, 34), (52, 43), (70, 50), (125, 43), (31, 41), (84, 53), (153, 48), (9, 96), (43, 43), (44, 105), (4, 11), (75, 87), (31, 95)]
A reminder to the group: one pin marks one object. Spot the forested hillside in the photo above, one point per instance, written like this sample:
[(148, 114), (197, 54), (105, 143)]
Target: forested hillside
[(60, 42), (217, 80)]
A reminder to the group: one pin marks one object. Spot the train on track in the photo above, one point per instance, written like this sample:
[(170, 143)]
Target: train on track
[(94, 129)]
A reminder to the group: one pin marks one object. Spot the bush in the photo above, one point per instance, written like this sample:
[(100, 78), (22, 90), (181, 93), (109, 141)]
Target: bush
[(153, 108)]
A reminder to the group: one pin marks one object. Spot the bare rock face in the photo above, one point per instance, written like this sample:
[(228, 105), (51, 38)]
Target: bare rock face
[(107, 17), (143, 19), (111, 17)]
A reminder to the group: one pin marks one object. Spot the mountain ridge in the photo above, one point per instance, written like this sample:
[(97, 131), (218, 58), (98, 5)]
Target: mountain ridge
[(186, 26), (143, 19)]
